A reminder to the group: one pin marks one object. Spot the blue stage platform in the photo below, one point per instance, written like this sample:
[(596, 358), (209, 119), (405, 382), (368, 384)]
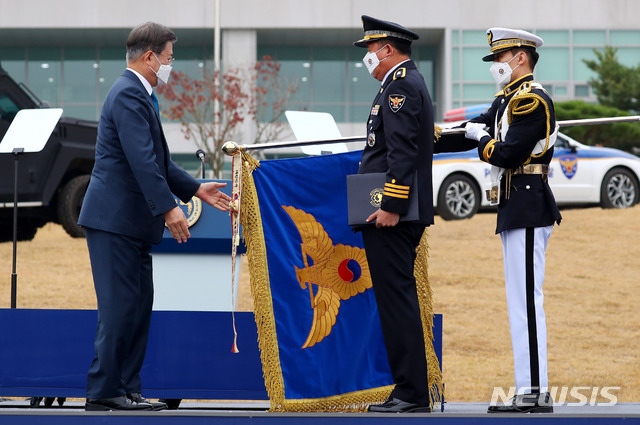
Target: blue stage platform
[(18, 412)]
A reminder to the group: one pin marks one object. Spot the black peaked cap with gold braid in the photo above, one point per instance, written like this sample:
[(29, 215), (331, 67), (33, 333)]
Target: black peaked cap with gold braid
[(501, 39), (377, 29)]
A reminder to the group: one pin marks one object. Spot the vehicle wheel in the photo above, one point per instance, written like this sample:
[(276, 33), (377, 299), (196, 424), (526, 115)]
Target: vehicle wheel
[(458, 198), (619, 189), (69, 204)]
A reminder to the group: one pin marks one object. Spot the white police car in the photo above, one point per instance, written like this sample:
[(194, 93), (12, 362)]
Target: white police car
[(578, 175)]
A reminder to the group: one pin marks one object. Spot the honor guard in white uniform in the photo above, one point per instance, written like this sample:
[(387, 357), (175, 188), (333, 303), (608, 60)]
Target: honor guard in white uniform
[(516, 136)]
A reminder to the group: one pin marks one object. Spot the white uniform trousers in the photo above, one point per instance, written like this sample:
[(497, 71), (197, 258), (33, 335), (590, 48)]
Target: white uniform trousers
[(524, 265)]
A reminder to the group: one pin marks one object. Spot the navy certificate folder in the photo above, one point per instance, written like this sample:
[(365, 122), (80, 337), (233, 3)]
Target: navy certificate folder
[(364, 194)]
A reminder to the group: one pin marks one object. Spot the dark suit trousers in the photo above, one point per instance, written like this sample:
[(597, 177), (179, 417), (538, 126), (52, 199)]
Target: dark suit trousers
[(123, 280), (391, 253)]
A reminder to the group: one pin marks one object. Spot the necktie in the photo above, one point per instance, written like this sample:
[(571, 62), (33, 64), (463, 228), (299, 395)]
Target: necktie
[(155, 101)]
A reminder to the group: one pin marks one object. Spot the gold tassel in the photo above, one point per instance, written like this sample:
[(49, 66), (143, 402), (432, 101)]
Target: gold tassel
[(437, 133)]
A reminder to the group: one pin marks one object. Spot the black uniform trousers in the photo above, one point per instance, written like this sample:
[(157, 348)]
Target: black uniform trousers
[(123, 279), (391, 252)]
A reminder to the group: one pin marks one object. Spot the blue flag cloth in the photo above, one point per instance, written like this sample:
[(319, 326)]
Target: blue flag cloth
[(320, 336)]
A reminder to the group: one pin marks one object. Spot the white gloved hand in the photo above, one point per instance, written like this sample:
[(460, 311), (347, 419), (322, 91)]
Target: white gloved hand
[(475, 131)]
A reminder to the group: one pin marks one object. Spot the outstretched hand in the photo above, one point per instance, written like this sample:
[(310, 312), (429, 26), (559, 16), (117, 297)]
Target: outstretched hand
[(210, 193)]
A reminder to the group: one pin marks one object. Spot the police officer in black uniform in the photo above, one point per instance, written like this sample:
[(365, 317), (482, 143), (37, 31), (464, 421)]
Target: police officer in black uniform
[(400, 144), (516, 136)]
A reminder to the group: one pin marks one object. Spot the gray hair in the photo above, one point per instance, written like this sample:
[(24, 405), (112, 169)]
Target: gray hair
[(148, 36)]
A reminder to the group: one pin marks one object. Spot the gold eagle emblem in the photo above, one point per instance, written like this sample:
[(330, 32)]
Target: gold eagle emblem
[(396, 101), (339, 272), (569, 164)]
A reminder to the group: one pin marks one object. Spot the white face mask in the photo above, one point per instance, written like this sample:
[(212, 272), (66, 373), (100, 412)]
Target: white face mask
[(501, 72), (371, 60), (163, 72)]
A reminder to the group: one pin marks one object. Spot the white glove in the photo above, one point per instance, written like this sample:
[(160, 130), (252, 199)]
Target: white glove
[(475, 131)]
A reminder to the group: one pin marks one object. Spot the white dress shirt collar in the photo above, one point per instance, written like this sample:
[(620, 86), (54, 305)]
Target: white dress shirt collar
[(145, 83)]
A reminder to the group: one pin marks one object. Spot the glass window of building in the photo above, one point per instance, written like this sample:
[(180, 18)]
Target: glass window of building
[(478, 93), (111, 64), (473, 69), (189, 60), (44, 73), (582, 90), (79, 89), (554, 37), (554, 64), (624, 37), (628, 56), (581, 72), (295, 65), (589, 38), (328, 81), (13, 60)]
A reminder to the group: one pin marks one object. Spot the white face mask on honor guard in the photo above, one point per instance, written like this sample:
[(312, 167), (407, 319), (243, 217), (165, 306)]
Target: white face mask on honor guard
[(501, 72), (371, 60), (163, 72)]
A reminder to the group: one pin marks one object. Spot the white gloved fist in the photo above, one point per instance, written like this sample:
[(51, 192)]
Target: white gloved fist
[(475, 131)]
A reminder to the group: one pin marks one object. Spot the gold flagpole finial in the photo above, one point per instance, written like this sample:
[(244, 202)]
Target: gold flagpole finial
[(231, 148)]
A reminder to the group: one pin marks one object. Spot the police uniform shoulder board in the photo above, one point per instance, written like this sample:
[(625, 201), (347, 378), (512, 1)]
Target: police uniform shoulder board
[(400, 73)]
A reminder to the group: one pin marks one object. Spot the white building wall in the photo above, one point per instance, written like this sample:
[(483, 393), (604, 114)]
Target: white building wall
[(256, 14)]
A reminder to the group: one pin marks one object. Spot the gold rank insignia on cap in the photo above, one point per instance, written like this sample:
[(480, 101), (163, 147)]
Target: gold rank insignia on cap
[(501, 39), (377, 29)]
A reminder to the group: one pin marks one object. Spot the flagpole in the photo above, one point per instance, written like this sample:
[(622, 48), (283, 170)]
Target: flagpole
[(231, 148), (565, 123)]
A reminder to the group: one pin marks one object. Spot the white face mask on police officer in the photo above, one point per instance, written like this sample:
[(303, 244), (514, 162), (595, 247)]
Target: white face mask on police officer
[(163, 72), (501, 72), (371, 60)]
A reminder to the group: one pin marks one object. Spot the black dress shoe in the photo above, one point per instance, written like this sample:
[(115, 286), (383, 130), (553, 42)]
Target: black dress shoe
[(115, 403), (525, 403), (395, 405), (155, 405)]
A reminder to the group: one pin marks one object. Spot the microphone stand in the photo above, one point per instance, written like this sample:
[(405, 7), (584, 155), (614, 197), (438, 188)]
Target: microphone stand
[(14, 276), (200, 155)]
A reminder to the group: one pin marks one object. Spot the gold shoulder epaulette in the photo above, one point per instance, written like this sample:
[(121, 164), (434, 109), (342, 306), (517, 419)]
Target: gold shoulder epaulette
[(400, 73)]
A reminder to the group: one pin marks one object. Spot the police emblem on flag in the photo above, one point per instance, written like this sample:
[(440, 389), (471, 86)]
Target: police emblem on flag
[(569, 165), (338, 273), (396, 101)]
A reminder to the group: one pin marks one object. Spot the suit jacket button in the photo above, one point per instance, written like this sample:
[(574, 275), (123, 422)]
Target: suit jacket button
[(527, 187)]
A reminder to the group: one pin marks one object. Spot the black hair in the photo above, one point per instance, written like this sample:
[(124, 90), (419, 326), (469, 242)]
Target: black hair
[(402, 46), (530, 52), (148, 36)]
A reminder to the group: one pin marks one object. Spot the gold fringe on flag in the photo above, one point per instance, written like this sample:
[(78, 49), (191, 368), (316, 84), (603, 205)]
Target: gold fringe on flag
[(253, 235)]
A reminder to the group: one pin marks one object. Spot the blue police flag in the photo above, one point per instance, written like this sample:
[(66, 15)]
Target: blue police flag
[(318, 327)]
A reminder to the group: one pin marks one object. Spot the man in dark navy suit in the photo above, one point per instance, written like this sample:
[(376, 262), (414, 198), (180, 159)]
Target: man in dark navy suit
[(400, 144), (128, 202)]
